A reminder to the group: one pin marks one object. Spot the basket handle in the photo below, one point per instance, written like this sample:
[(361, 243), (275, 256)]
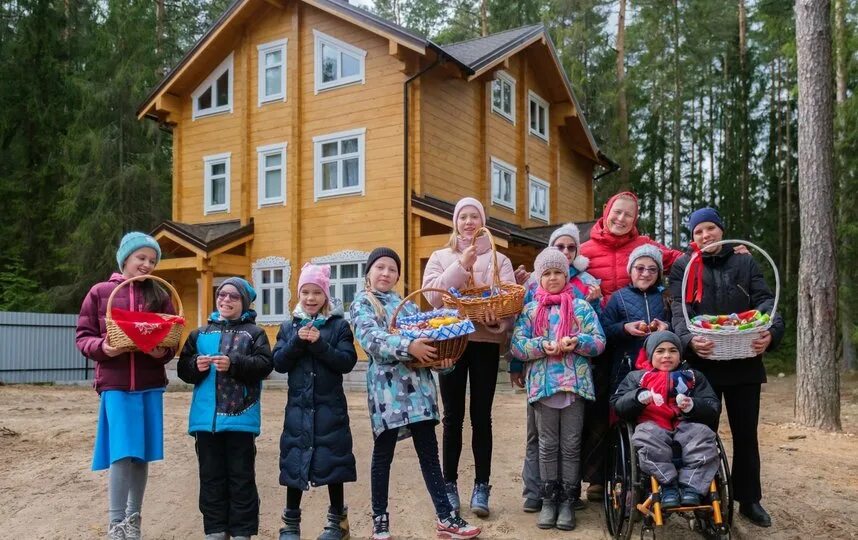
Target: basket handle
[(721, 243), (496, 273), (395, 314), (162, 281)]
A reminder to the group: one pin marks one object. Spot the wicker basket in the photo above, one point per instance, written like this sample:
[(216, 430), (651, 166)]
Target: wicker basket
[(449, 350), (117, 337), (505, 299), (733, 343)]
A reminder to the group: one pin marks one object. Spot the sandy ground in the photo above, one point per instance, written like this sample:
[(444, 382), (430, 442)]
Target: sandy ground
[(810, 479)]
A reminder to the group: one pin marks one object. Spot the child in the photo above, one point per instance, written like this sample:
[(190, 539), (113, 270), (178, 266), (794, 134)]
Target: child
[(131, 384), (402, 401), (671, 404), (316, 348), (226, 361), (634, 311), (554, 334)]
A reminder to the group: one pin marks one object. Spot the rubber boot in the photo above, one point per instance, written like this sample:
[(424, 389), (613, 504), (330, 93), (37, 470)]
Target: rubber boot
[(337, 527), (291, 529), (566, 511), (548, 515)]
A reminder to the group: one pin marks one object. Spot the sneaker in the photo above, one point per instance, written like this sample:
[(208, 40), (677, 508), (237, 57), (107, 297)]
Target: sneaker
[(454, 526), (531, 506), (381, 527), (116, 530), (688, 496), (480, 499), (132, 526), (669, 496), (453, 495)]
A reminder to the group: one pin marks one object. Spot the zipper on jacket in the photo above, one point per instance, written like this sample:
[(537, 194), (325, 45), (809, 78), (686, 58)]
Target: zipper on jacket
[(648, 316)]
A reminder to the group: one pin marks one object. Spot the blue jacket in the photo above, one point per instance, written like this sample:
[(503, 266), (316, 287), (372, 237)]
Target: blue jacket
[(229, 400), (630, 304), (316, 444)]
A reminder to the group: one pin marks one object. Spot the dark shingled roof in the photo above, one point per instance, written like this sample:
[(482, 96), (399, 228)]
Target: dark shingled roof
[(476, 53), (207, 236)]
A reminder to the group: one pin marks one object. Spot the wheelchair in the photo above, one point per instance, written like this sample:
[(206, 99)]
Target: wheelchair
[(631, 495)]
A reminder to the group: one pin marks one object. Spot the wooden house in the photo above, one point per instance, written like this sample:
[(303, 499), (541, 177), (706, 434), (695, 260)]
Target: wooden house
[(313, 130)]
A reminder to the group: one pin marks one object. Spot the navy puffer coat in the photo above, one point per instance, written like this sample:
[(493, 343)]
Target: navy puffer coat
[(630, 304), (316, 444)]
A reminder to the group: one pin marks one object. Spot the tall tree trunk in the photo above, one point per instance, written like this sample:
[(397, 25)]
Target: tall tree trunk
[(744, 121), (160, 21), (817, 397), (840, 50), (677, 126), (779, 156), (788, 177), (484, 18), (712, 134), (622, 105)]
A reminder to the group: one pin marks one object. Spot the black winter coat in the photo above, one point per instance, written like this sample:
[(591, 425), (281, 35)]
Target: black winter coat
[(731, 284), (630, 304), (316, 444)]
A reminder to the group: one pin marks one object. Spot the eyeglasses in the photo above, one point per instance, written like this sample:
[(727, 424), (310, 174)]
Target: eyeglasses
[(566, 247), (235, 297), (646, 269)]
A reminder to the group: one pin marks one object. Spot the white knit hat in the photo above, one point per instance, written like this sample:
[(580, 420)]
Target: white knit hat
[(646, 250), (580, 262), (550, 259)]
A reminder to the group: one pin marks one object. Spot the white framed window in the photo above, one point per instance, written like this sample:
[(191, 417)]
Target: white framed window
[(503, 95), (271, 280), (503, 183), (214, 95), (216, 184), (347, 274), (538, 115), (272, 71), (538, 198), (339, 163), (337, 62), (272, 174)]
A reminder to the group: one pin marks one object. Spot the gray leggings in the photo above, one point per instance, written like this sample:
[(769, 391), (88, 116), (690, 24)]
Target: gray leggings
[(125, 487), (560, 428)]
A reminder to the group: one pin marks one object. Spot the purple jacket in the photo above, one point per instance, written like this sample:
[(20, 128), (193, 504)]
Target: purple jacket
[(128, 371)]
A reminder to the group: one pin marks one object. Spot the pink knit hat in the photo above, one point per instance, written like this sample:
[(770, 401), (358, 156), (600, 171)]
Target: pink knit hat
[(468, 201), (319, 275)]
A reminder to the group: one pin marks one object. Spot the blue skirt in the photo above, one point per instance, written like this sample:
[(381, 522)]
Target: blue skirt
[(130, 425)]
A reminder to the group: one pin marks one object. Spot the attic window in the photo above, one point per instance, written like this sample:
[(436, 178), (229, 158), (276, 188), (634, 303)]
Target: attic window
[(538, 116), (214, 95), (337, 62), (503, 96)]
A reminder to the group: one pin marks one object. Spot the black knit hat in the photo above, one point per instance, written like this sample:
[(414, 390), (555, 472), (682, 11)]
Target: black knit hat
[(380, 252)]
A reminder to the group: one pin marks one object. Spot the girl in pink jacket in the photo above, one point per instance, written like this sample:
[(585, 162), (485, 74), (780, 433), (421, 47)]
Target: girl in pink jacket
[(452, 267)]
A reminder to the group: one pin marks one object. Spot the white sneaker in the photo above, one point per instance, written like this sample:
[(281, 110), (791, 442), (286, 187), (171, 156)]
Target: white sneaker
[(132, 526), (116, 531)]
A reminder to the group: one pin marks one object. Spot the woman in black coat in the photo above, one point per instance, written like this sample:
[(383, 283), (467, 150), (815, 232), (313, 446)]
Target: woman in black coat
[(732, 283), (316, 348)]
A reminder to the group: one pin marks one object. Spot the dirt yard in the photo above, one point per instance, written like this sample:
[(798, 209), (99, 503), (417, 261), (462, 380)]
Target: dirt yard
[(810, 479)]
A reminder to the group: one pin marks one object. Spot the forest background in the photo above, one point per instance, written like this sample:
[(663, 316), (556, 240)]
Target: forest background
[(695, 99)]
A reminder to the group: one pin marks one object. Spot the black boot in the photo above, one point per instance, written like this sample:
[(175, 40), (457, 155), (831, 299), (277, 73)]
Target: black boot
[(292, 525), (566, 511), (756, 514), (548, 515), (337, 527)]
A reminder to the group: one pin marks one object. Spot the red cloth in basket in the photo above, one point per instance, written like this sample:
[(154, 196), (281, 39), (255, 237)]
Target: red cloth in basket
[(144, 328)]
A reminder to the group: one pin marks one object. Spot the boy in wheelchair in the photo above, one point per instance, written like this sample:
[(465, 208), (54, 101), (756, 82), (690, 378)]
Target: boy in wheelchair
[(671, 403)]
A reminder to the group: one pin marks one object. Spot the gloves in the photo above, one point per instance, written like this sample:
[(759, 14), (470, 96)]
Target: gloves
[(645, 397), (684, 403)]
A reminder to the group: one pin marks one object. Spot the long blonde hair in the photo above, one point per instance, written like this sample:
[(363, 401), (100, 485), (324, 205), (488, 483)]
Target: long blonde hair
[(376, 305)]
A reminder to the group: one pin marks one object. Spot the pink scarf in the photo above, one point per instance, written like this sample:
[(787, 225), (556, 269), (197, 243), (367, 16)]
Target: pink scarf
[(568, 325)]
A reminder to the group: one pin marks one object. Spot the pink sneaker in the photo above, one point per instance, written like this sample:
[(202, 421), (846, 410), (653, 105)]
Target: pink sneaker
[(456, 527)]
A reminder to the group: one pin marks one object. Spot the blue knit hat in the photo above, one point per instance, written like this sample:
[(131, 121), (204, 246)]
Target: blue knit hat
[(704, 214), (245, 289), (133, 241)]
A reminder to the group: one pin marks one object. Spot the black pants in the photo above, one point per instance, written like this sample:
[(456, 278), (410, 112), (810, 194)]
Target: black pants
[(228, 497), (743, 413), (336, 496), (596, 425), (479, 363), (426, 445)]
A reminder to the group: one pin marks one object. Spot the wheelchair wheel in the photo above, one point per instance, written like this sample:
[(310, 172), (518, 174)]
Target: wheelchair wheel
[(725, 485), (622, 490)]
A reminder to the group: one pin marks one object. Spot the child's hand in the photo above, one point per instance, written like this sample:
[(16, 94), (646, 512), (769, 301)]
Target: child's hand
[(594, 294), (447, 363), (521, 274), (684, 402), (645, 397), (421, 350), (203, 362), (313, 334), (221, 362), (568, 344), (304, 331), (158, 352), (468, 258), (661, 326), (551, 348), (112, 352), (633, 329)]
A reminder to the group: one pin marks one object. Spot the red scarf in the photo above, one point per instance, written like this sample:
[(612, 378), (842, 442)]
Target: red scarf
[(694, 286), (568, 325)]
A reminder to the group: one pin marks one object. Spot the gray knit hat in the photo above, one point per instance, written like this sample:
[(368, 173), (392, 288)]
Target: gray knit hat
[(580, 262), (245, 290), (646, 250), (550, 258), (657, 338)]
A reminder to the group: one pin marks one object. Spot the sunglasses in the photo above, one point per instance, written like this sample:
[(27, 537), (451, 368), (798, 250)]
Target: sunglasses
[(235, 297), (646, 269), (566, 247)]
